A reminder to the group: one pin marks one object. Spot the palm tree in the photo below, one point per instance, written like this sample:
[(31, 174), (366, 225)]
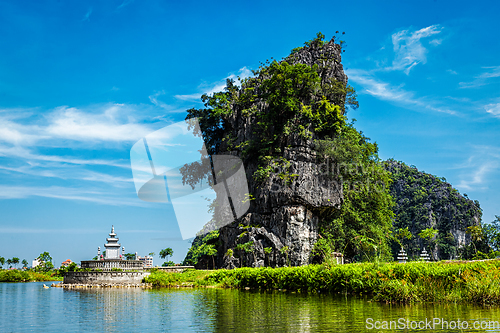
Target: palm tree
[(15, 261)]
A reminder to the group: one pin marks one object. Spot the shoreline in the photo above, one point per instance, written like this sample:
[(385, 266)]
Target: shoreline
[(475, 282)]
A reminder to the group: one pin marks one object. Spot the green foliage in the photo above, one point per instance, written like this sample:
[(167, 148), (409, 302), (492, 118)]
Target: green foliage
[(129, 256), (45, 256), (14, 275), (361, 227), (425, 201), (323, 252), (25, 263), (45, 263), (402, 234), (202, 245), (2, 261), (491, 234), (475, 282), (189, 277), (70, 268), (168, 264), (166, 253), (296, 99), (15, 261), (427, 234), (284, 251)]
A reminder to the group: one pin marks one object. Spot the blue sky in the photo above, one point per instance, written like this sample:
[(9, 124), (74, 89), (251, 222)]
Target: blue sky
[(81, 82)]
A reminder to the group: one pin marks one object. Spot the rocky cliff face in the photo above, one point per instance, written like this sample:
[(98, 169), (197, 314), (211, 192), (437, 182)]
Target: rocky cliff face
[(284, 214), (425, 201)]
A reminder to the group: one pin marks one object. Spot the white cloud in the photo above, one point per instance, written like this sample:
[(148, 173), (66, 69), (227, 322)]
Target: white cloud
[(104, 178), (111, 123), (385, 91), (493, 109), (482, 79), (73, 124), (195, 96), (17, 134), (67, 172), (408, 48), (73, 194), (26, 154), (477, 177), (31, 144)]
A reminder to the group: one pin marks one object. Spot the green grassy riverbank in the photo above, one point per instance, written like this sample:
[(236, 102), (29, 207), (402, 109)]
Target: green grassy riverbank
[(474, 282), (14, 275)]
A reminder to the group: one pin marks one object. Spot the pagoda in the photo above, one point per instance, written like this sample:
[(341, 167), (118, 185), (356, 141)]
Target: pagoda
[(113, 258), (112, 246)]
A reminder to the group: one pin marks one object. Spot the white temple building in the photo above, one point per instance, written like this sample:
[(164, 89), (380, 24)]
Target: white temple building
[(112, 246), (113, 259)]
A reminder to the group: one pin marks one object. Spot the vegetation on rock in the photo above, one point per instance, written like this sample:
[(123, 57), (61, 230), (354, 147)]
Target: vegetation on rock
[(291, 99), (424, 202)]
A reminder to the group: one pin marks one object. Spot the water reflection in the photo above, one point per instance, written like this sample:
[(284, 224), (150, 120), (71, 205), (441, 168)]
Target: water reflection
[(27, 307)]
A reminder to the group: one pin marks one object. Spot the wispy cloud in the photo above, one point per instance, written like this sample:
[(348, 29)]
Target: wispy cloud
[(13, 230), (28, 155), (112, 123), (73, 194), (73, 124), (479, 168), (482, 79), (76, 145), (408, 48), (214, 87), (387, 92), (476, 179), (66, 172), (125, 3), (154, 98), (493, 109), (87, 15)]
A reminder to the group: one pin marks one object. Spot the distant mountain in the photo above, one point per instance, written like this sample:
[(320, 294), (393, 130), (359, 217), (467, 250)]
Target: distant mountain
[(426, 201)]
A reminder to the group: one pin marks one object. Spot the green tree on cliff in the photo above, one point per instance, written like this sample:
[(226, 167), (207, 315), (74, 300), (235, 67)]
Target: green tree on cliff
[(428, 235)]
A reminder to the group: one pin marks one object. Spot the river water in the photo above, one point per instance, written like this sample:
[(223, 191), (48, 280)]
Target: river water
[(27, 307)]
